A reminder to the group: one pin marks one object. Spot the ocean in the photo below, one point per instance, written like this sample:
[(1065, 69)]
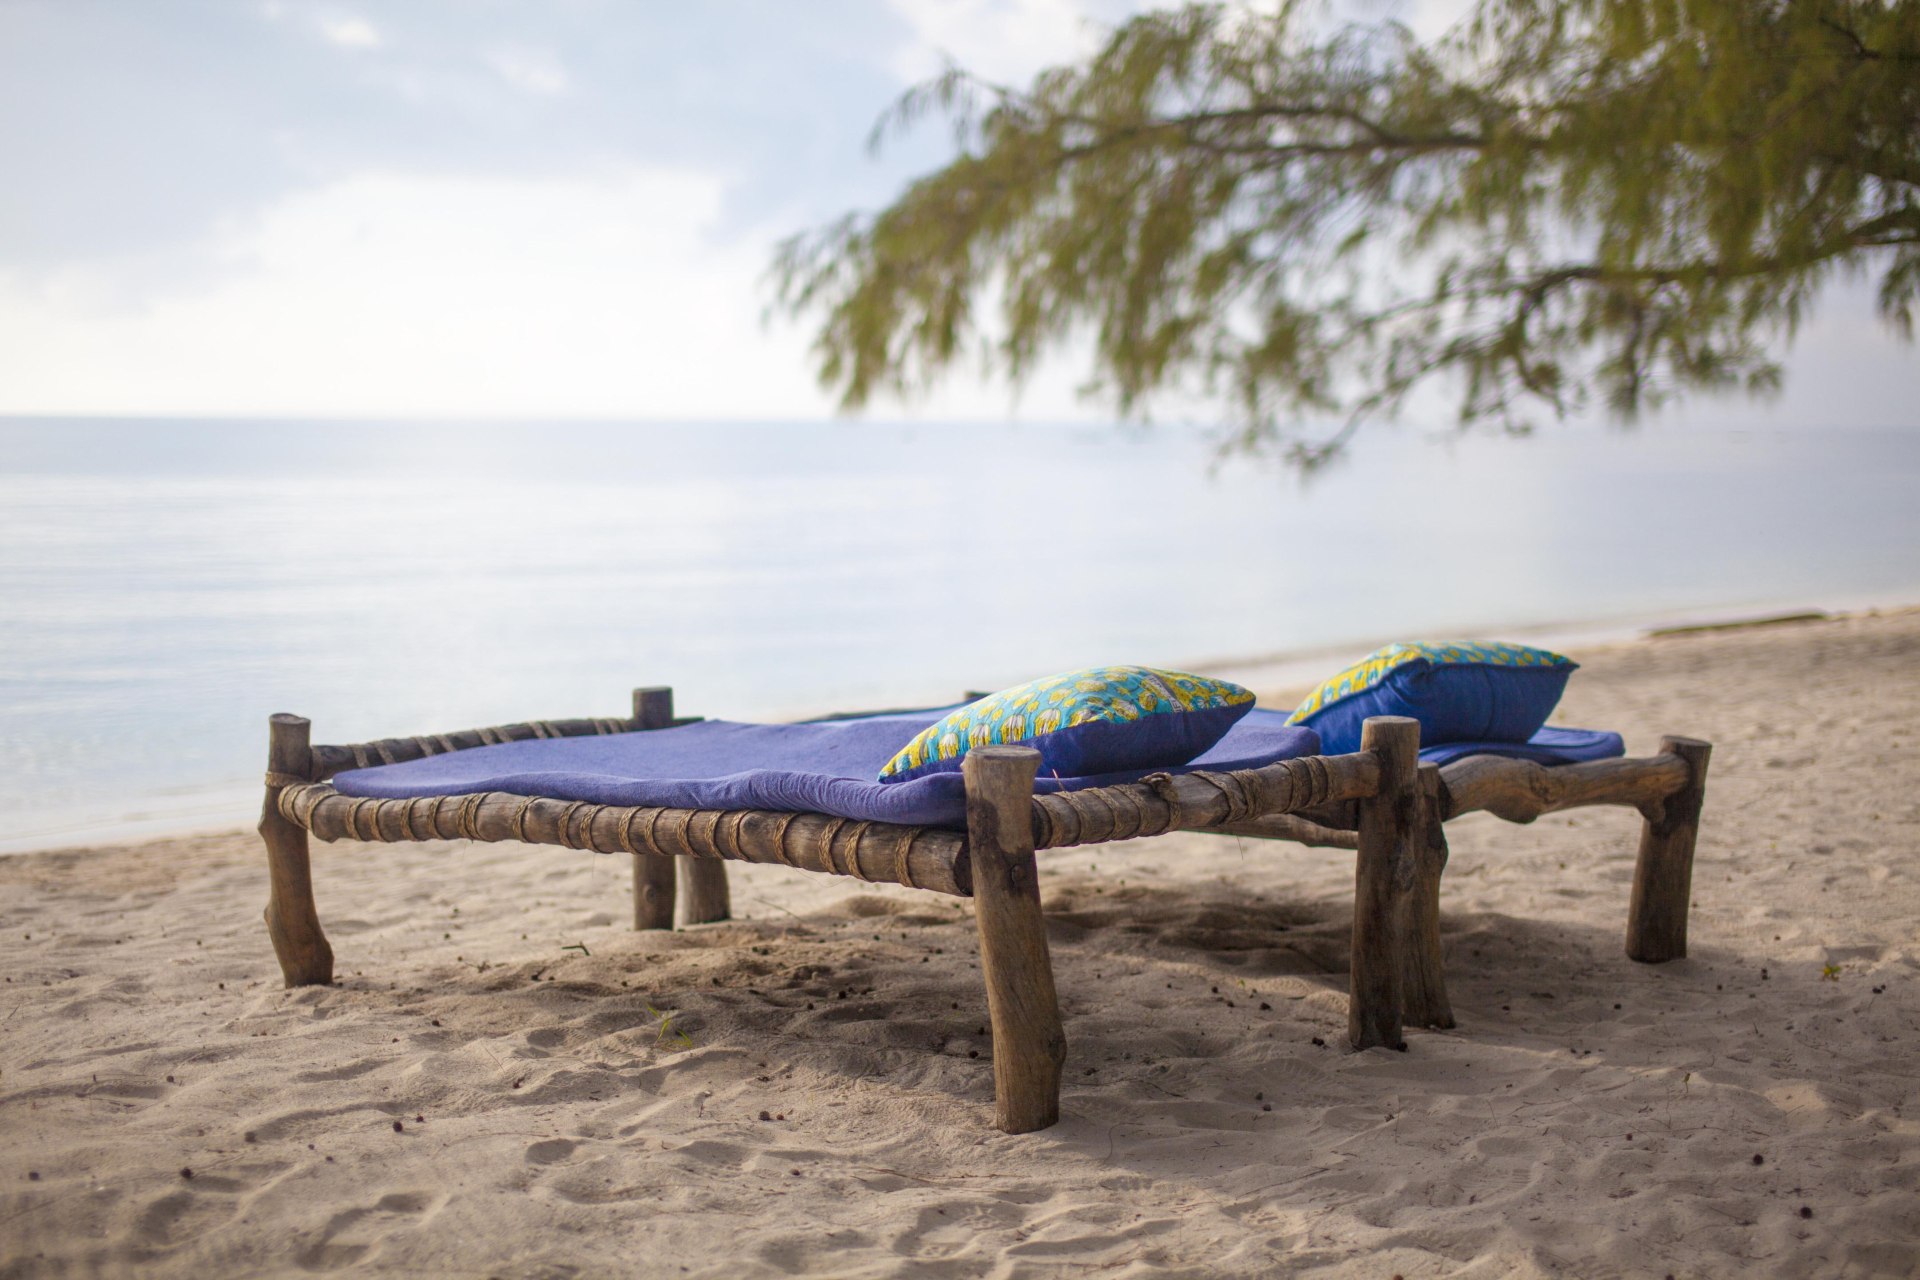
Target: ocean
[(165, 585)]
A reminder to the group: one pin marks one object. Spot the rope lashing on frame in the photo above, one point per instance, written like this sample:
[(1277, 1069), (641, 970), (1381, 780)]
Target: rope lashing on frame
[(918, 857), (853, 842), (1199, 800), (734, 824), (1240, 804), (834, 826), (328, 760), (468, 825), (780, 841), (1249, 793), (921, 857), (902, 869)]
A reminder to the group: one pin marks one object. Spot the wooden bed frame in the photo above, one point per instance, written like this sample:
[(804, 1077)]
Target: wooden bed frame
[(1379, 801)]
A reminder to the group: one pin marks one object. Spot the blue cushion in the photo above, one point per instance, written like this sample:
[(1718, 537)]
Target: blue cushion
[(720, 764), (1092, 721), (1549, 746), (1459, 692)]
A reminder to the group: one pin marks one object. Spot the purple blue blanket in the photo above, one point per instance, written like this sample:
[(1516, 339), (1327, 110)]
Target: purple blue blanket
[(822, 767), (1548, 746)]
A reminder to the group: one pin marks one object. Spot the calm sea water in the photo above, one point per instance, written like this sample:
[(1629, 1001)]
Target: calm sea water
[(166, 585)]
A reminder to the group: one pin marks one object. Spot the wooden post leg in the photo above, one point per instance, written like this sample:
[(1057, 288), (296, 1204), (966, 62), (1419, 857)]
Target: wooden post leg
[(1423, 993), (1383, 874), (703, 881), (652, 872), (293, 924), (652, 891), (1663, 877), (703, 887), (1029, 1046)]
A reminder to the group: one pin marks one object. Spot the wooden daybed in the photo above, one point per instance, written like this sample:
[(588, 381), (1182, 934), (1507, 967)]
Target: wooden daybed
[(1379, 801)]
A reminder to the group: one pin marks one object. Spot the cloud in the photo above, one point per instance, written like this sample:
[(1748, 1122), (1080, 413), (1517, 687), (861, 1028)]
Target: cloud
[(347, 30), (1002, 40), (490, 216), (537, 71), (615, 293), (389, 294), (1427, 19), (397, 294), (1009, 41)]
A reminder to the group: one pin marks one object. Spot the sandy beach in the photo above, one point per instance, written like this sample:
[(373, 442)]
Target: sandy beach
[(508, 1081)]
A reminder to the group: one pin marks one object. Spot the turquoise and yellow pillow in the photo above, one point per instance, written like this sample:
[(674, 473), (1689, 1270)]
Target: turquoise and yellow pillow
[(1093, 721), (1458, 691)]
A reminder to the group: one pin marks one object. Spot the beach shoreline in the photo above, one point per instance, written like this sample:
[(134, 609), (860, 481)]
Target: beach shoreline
[(508, 1080), (1279, 676)]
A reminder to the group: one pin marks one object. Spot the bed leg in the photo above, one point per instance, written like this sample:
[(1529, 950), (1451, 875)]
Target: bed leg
[(1424, 980), (703, 887), (1029, 1046), (652, 891), (1663, 876), (293, 924), (652, 872), (1383, 876)]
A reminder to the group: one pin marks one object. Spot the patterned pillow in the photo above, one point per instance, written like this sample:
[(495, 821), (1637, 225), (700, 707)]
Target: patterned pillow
[(1459, 692), (1097, 720)]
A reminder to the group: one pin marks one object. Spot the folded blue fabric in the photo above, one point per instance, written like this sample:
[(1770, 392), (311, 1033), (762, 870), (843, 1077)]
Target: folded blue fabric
[(821, 767), (1547, 746)]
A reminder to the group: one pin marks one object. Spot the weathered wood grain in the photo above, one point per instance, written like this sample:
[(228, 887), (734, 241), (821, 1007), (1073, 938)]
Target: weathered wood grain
[(1663, 874), (1198, 801), (704, 895), (331, 759), (1029, 1045), (918, 857), (1290, 826), (653, 874), (1383, 874), (1423, 979), (293, 923), (1520, 790)]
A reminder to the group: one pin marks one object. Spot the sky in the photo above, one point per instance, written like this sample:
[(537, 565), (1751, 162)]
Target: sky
[(311, 208)]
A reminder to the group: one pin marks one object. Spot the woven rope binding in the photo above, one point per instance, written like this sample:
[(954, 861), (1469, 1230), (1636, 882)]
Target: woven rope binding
[(919, 857)]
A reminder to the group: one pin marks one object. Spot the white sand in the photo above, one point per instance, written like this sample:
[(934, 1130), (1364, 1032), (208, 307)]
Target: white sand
[(596, 1114)]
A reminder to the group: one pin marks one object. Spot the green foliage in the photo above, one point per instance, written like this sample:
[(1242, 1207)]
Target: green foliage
[(1564, 201), (666, 1032)]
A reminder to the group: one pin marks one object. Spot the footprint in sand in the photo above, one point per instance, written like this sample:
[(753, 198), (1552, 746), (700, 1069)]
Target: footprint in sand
[(346, 1071), (193, 1209), (1290, 1082), (551, 1151), (355, 1235), (953, 1228)]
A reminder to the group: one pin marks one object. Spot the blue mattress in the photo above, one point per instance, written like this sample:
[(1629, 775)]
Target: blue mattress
[(1548, 746), (821, 767)]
